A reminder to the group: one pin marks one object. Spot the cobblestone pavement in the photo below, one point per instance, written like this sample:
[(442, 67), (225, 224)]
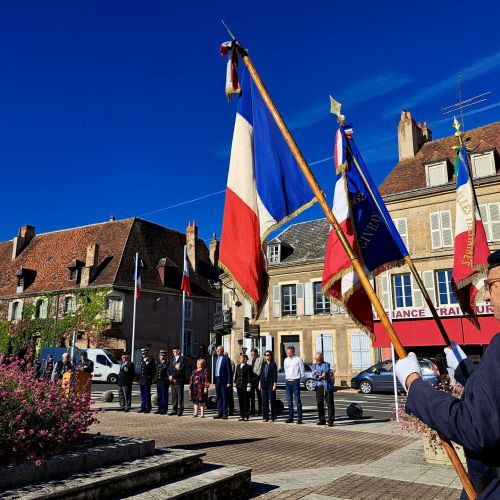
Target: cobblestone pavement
[(290, 461)]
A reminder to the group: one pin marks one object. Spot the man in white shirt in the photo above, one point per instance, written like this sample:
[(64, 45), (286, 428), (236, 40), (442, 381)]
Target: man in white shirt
[(294, 371)]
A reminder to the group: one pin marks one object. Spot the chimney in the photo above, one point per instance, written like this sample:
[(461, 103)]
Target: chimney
[(411, 136), (214, 251), (191, 237), (25, 234), (89, 270)]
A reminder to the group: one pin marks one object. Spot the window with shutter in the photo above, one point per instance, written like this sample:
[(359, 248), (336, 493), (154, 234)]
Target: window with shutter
[(428, 279), (483, 164), (441, 229), (436, 174), (446, 295), (446, 229), (276, 301), (300, 299), (403, 296), (324, 344), (321, 303), (494, 218), (418, 299), (308, 298), (402, 227), (360, 351), (384, 291), (435, 230), (188, 310), (485, 217), (289, 300)]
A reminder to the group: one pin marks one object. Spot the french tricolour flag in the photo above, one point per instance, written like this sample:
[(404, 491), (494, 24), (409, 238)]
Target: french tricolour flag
[(186, 284), (471, 247), (265, 188), (137, 279)]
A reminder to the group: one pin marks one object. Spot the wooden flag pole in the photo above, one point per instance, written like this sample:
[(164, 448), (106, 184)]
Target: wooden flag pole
[(408, 259), (464, 479)]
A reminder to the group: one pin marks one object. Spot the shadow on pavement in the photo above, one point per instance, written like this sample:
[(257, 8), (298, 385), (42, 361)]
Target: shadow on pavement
[(215, 444), (258, 489)]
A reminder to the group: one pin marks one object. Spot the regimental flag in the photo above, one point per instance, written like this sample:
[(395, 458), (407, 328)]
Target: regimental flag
[(185, 283), (471, 247), (137, 278), (365, 221), (265, 188)]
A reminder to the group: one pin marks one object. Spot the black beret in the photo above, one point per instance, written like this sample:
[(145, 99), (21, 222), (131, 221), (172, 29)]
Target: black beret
[(494, 259)]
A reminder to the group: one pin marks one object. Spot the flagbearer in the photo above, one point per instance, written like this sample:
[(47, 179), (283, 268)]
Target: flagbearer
[(148, 368), (473, 421), (162, 384)]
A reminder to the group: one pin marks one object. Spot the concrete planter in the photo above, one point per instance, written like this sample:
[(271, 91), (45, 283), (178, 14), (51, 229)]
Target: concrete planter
[(437, 456)]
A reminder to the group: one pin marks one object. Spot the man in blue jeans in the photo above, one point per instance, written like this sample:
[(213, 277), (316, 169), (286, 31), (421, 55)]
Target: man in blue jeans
[(294, 371)]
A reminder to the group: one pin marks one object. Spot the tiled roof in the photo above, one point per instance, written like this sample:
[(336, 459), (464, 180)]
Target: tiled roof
[(48, 255), (306, 240), (409, 174)]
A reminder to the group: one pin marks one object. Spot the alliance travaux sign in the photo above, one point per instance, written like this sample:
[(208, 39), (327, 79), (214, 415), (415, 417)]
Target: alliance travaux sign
[(482, 309)]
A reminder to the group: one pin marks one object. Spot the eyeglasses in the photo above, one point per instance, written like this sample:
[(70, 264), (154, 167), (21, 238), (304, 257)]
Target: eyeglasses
[(267, 355), (488, 283)]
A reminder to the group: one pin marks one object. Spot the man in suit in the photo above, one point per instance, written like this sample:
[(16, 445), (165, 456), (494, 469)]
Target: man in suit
[(256, 362), (223, 381), (243, 382), (148, 370), (472, 421), (162, 384), (177, 377), (324, 389), (125, 380), (229, 390), (86, 364)]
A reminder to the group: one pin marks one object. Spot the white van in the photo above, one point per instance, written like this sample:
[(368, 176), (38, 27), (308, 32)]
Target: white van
[(106, 368)]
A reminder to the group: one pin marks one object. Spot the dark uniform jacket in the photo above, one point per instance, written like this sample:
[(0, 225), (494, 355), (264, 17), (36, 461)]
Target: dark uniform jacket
[(148, 370), (162, 375), (87, 366), (126, 374), (473, 421), (60, 369), (243, 376), (177, 369)]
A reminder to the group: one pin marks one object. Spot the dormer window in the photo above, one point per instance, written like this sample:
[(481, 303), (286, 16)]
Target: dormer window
[(274, 254), (73, 274), (436, 174), (483, 164), (24, 278), (75, 268)]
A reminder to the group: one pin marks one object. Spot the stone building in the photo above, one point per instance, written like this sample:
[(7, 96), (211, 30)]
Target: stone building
[(420, 195), (54, 275)]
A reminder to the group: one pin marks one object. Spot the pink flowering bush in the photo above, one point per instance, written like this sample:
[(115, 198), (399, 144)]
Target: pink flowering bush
[(38, 418), (410, 423)]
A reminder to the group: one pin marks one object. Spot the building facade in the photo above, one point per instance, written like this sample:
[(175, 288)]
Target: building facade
[(82, 280), (420, 195)]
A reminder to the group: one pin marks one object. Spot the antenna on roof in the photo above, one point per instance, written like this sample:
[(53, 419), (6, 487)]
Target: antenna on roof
[(461, 104)]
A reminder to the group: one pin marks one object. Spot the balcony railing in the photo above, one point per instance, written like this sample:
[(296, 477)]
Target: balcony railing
[(223, 320)]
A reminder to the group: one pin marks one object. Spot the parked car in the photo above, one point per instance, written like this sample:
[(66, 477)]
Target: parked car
[(306, 382), (378, 378)]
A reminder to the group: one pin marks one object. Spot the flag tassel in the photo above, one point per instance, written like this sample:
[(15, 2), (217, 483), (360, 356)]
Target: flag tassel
[(469, 488)]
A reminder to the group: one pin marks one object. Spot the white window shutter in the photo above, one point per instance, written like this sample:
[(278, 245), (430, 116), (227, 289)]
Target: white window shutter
[(485, 217), (309, 298), (384, 288), (402, 227), (269, 342), (428, 279), (43, 308), (248, 309), (300, 299), (276, 301), (435, 230), (418, 299), (446, 229), (494, 216), (9, 314)]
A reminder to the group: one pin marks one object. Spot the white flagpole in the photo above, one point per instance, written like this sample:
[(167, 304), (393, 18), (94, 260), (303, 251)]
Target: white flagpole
[(135, 305), (183, 305), (389, 295)]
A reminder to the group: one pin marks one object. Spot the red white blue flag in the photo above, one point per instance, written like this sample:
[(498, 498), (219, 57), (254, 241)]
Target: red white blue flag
[(471, 247), (265, 188), (367, 225), (137, 278), (186, 284)]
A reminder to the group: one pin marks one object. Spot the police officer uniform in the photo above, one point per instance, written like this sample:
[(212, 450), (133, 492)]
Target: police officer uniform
[(148, 370), (125, 380), (162, 384), (86, 365)]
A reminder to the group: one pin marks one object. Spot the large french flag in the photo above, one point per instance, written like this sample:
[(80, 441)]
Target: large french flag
[(265, 188), (368, 227), (471, 247), (186, 283)]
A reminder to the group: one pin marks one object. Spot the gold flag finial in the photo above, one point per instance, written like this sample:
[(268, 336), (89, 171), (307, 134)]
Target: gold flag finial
[(456, 126), (335, 107)]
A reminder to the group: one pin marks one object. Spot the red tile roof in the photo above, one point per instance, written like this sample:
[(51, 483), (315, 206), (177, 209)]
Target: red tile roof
[(50, 254), (409, 174)]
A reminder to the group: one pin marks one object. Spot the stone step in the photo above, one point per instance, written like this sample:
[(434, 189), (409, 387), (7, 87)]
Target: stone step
[(116, 480), (211, 482)]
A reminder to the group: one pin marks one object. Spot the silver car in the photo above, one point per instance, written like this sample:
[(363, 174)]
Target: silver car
[(306, 382)]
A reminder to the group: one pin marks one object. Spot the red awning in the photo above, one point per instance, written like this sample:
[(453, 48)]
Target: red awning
[(424, 332)]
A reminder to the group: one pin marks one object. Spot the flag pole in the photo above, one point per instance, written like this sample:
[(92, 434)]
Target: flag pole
[(450, 450), (394, 381), (183, 307), (408, 259), (132, 354)]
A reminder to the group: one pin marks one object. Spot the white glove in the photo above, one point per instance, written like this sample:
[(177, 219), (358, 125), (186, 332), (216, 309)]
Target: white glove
[(405, 367), (234, 389), (249, 389), (454, 355)]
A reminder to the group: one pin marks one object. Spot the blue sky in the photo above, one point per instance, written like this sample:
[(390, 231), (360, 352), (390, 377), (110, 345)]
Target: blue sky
[(118, 107)]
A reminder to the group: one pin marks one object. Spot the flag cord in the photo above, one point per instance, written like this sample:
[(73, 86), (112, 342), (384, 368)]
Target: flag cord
[(450, 450), (408, 259)]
